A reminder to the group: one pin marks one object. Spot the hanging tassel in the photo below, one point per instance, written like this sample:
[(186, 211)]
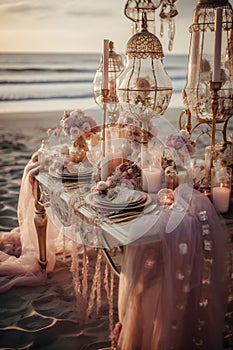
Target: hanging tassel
[(79, 270), (75, 272), (96, 287), (84, 286), (109, 287)]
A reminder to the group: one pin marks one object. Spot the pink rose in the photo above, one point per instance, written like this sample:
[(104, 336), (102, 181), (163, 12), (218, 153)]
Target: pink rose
[(91, 121), (111, 182), (86, 127), (142, 84), (75, 132)]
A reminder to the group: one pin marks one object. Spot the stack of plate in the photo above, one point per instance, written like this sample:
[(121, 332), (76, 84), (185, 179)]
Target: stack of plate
[(133, 199), (83, 175)]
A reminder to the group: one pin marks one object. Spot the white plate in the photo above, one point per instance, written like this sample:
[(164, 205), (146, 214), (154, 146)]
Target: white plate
[(126, 197), (72, 176), (107, 206)]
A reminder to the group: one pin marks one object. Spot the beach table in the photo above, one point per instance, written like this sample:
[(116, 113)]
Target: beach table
[(173, 279)]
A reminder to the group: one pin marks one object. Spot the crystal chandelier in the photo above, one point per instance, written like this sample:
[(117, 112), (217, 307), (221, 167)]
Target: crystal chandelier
[(144, 85), (134, 9), (197, 92)]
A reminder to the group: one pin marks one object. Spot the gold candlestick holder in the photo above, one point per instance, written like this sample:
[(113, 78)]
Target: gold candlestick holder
[(215, 87), (105, 96)]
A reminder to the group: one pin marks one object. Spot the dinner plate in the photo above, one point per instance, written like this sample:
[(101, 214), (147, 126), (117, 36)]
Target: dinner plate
[(81, 173), (84, 175), (107, 206), (125, 197)]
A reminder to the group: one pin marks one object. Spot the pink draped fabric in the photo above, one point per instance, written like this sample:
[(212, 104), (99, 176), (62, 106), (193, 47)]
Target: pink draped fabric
[(26, 270), (173, 292)]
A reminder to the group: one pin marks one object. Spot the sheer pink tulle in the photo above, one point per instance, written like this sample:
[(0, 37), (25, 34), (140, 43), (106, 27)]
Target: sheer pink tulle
[(173, 293), (25, 269)]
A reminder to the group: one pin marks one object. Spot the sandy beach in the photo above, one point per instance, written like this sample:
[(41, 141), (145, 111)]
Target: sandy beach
[(46, 317), (41, 317)]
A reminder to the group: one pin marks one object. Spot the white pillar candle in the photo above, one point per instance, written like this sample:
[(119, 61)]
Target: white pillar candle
[(221, 198), (151, 179), (115, 157), (105, 64), (217, 45)]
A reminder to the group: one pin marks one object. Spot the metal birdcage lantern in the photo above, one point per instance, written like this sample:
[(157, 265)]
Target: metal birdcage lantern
[(115, 67), (144, 85), (197, 92)]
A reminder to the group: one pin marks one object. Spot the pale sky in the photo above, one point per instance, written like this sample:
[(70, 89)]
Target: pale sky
[(77, 25)]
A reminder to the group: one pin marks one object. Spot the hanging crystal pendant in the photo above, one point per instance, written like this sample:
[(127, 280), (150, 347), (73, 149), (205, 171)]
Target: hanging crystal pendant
[(161, 28), (134, 9), (168, 14)]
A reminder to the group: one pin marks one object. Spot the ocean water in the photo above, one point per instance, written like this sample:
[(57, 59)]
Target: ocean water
[(59, 81)]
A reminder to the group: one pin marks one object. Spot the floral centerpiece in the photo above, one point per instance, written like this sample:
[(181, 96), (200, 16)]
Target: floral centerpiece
[(76, 124), (127, 174), (180, 146), (79, 127), (134, 129)]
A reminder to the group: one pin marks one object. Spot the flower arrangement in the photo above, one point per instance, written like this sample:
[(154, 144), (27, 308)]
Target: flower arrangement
[(181, 143), (76, 124), (79, 127), (127, 173), (133, 128), (130, 171)]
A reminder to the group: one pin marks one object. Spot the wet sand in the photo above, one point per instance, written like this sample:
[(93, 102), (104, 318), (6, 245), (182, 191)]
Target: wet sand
[(40, 317)]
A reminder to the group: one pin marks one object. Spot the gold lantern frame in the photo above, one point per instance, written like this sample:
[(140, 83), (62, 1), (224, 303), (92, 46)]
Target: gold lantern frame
[(203, 13)]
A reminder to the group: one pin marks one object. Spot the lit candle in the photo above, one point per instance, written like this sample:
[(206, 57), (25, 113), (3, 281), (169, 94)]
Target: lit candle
[(217, 45), (221, 198), (115, 158), (105, 64), (165, 197), (151, 178)]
